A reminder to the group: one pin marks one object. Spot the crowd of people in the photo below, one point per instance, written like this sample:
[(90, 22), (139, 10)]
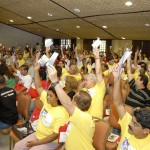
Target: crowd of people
[(74, 91)]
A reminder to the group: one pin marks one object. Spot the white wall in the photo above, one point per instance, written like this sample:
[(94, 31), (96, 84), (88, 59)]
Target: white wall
[(10, 36)]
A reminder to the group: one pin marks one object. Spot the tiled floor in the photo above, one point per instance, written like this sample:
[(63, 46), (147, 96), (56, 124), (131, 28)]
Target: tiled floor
[(4, 142)]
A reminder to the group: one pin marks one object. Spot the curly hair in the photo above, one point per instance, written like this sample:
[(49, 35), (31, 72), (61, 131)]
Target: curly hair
[(143, 117)]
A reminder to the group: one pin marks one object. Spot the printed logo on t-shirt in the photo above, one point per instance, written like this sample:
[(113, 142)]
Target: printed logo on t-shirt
[(126, 145), (46, 118)]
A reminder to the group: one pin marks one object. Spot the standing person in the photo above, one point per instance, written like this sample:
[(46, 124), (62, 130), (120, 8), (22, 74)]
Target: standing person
[(134, 129), (81, 127), (8, 109)]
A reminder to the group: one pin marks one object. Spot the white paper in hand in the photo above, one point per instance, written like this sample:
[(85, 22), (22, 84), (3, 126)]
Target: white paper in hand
[(48, 43), (96, 44), (52, 59), (126, 54), (43, 60)]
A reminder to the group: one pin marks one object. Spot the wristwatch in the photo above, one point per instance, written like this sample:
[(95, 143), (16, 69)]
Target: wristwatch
[(54, 84)]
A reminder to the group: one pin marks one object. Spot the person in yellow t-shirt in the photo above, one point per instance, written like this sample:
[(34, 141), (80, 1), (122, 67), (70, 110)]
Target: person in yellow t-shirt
[(52, 116), (95, 86), (73, 71), (20, 60), (135, 130), (81, 128)]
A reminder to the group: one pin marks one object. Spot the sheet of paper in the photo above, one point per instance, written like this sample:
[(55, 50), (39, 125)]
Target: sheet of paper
[(62, 137), (96, 44), (52, 59), (48, 43), (126, 54), (43, 60)]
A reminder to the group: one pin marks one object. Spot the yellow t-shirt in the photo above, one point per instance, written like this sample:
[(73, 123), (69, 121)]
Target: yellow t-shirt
[(51, 118), (106, 73), (64, 71), (80, 131), (97, 93), (26, 55), (21, 62), (128, 141), (77, 76), (89, 68)]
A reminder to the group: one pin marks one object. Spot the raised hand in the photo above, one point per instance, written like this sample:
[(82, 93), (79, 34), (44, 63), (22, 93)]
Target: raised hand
[(52, 73), (96, 53)]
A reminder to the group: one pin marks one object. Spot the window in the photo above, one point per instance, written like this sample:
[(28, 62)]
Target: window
[(66, 43)]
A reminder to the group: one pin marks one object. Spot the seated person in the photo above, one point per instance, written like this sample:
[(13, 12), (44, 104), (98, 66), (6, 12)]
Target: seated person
[(24, 78), (135, 130), (139, 95), (81, 127), (8, 109), (52, 116)]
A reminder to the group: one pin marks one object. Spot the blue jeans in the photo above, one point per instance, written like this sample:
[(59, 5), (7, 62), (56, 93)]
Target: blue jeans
[(4, 126)]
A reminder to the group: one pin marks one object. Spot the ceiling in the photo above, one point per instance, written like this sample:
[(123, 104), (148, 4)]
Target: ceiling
[(121, 20)]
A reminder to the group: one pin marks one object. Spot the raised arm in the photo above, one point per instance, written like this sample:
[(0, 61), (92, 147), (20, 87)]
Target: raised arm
[(63, 97), (135, 58), (98, 66), (37, 80), (117, 97), (130, 76)]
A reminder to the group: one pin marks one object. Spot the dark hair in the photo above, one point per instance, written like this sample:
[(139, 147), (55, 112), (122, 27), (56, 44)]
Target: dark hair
[(59, 71), (83, 100), (42, 74), (143, 117), (2, 79), (110, 58), (54, 92), (5, 71), (105, 65), (25, 67), (144, 78), (92, 60)]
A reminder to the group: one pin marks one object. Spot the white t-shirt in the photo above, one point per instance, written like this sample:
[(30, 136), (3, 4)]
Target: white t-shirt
[(25, 80)]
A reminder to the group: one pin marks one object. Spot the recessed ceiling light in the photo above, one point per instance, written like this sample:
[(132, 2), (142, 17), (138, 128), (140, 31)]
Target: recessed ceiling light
[(77, 10), (78, 27), (123, 38), (128, 3), (11, 20), (57, 29), (104, 27), (29, 17), (49, 14), (78, 38), (147, 24)]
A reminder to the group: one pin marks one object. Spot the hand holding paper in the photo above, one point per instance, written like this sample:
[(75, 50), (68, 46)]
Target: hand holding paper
[(96, 44), (48, 43)]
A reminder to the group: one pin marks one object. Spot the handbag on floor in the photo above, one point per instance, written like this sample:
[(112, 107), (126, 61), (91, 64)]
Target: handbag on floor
[(23, 130)]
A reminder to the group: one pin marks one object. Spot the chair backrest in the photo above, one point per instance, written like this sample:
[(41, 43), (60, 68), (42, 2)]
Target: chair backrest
[(102, 129), (24, 101)]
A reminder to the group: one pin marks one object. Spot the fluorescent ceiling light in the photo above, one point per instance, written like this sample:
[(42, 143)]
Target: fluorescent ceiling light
[(78, 38), (128, 3), (49, 14), (123, 38), (78, 27), (104, 27), (77, 10), (11, 20), (29, 17), (147, 24)]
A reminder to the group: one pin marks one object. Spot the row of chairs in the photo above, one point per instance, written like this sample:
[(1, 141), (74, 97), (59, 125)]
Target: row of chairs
[(102, 128)]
